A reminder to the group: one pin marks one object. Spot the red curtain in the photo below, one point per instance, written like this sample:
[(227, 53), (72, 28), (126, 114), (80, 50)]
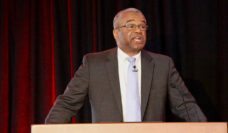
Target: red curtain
[(38, 57), (18, 84), (4, 54)]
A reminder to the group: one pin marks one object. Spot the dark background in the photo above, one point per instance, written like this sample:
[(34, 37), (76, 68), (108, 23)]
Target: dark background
[(42, 43)]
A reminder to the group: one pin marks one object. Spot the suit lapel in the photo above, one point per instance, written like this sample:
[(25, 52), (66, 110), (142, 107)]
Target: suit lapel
[(146, 79), (113, 75)]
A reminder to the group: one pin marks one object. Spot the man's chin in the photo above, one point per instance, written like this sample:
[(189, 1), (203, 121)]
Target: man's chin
[(139, 46), (137, 49)]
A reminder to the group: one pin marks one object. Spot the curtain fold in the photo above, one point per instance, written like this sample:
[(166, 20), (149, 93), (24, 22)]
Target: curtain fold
[(4, 67)]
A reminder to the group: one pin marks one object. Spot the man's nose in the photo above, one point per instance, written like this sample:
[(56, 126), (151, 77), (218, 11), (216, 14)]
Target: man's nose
[(138, 29)]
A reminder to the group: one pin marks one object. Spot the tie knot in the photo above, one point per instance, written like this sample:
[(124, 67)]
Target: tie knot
[(131, 59)]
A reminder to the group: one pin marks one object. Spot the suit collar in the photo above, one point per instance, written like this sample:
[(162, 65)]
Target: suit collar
[(113, 76), (147, 67)]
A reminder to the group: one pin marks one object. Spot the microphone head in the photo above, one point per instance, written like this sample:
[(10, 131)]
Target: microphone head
[(135, 69)]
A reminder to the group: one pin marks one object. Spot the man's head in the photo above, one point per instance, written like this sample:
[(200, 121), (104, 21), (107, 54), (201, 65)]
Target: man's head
[(129, 30)]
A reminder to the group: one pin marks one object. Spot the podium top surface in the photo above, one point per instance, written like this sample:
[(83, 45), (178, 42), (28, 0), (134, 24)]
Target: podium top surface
[(187, 127)]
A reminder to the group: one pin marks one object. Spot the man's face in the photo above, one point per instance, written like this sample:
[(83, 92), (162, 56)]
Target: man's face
[(129, 38)]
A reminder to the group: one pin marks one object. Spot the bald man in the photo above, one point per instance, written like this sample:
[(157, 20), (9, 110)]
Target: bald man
[(103, 77)]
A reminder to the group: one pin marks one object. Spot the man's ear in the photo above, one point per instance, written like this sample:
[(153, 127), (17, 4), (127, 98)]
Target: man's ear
[(115, 33)]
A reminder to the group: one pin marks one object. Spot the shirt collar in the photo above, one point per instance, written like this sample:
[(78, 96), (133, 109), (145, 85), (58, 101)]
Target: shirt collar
[(123, 56)]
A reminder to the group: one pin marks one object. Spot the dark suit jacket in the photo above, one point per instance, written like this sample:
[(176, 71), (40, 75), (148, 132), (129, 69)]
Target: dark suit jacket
[(98, 78)]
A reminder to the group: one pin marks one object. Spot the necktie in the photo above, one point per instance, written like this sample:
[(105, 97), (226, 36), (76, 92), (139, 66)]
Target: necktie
[(133, 105)]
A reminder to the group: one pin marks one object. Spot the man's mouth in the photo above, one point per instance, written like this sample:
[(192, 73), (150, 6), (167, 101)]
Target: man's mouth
[(138, 39)]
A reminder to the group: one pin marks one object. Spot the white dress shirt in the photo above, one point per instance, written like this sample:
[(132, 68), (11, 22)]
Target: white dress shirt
[(123, 64)]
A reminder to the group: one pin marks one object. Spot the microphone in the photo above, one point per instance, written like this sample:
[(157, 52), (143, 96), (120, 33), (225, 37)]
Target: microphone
[(135, 69)]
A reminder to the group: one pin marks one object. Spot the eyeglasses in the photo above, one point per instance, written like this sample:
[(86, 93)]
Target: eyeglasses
[(130, 26)]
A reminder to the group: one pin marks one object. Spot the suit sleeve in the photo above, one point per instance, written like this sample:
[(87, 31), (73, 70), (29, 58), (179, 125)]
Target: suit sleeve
[(69, 103), (182, 102)]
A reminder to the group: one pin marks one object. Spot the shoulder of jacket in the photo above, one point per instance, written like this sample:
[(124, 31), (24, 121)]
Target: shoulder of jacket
[(157, 56), (101, 54)]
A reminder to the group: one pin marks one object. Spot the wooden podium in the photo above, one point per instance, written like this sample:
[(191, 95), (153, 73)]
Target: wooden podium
[(220, 127)]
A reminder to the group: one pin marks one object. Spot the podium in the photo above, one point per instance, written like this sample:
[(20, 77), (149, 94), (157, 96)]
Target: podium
[(188, 127)]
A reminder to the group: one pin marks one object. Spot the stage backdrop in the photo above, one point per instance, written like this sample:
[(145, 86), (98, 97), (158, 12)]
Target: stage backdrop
[(42, 43)]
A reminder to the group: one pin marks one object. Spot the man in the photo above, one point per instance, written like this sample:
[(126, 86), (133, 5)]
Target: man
[(122, 91)]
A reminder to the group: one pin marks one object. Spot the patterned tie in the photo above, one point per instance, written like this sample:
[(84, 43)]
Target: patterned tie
[(133, 105)]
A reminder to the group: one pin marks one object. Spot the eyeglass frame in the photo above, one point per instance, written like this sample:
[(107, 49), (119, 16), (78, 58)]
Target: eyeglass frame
[(134, 26)]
